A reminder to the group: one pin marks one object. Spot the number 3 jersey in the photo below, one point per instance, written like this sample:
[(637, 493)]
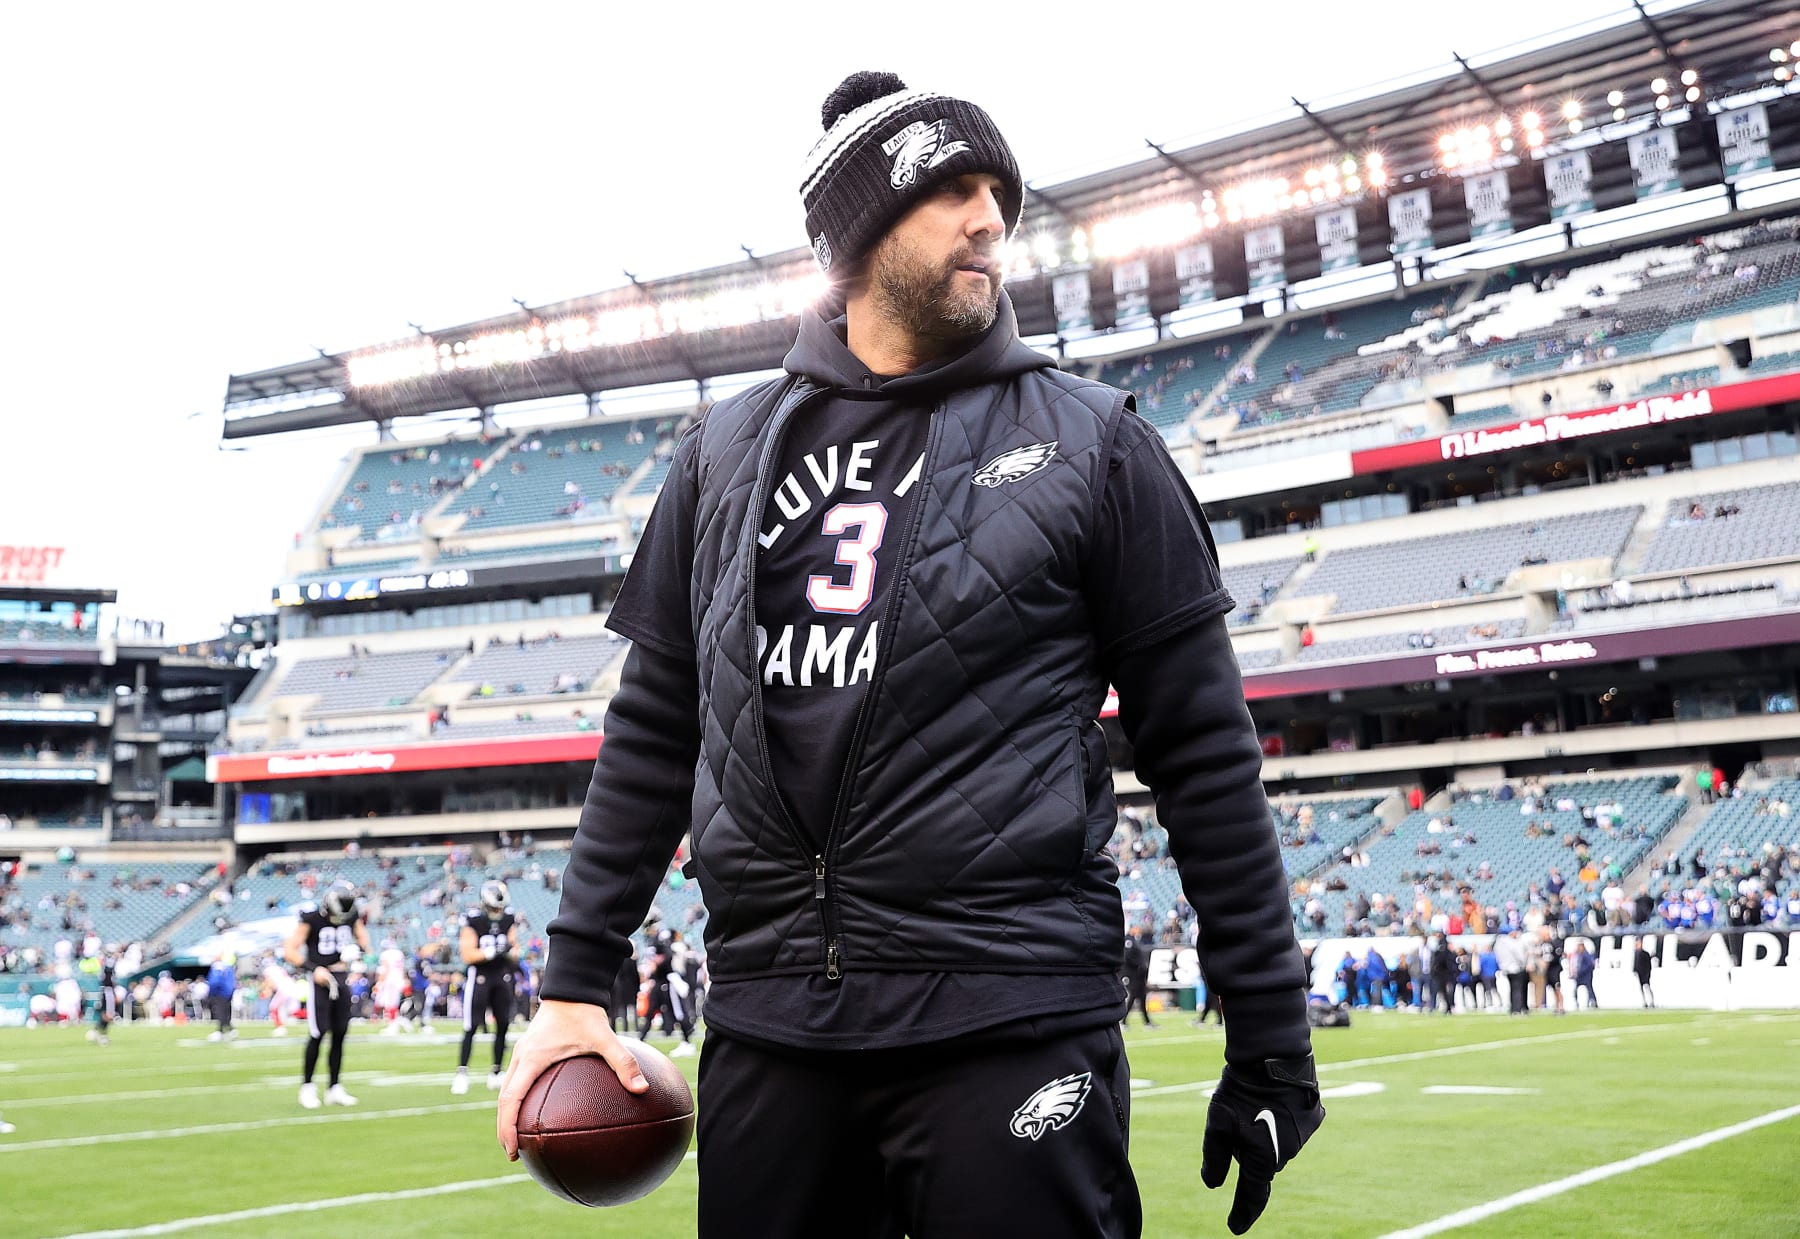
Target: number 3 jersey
[(492, 938), (833, 529), (327, 945)]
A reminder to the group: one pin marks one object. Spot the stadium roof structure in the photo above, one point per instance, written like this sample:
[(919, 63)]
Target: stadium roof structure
[(737, 318)]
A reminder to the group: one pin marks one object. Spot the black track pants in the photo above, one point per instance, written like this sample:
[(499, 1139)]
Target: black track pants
[(933, 1142)]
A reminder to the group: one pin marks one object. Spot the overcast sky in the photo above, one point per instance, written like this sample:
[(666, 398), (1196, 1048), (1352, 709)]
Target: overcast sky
[(192, 191)]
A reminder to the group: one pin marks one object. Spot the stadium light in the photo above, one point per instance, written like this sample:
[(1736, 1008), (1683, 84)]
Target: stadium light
[(1659, 85), (1156, 228), (1689, 77), (1615, 98), (768, 301), (1467, 147)]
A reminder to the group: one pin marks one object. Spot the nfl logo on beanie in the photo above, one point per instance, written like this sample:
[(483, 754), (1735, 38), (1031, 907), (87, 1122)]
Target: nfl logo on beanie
[(885, 147)]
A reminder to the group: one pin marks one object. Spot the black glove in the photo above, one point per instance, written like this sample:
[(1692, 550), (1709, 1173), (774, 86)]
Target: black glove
[(1261, 1118)]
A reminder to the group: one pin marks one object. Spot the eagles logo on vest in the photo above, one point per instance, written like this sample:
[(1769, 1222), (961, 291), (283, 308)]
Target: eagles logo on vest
[(1052, 1107), (919, 145), (1013, 465)]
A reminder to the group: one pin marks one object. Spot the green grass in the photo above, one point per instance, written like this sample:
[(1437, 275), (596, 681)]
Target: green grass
[(1607, 1087)]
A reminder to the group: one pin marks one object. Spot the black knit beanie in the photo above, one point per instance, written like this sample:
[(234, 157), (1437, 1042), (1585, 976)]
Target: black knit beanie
[(885, 147)]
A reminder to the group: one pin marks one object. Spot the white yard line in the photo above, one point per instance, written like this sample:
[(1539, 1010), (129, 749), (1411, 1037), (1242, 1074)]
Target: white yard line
[(1448, 1051), (302, 1206), (379, 1079), (1544, 1191), (208, 1129), (299, 1206)]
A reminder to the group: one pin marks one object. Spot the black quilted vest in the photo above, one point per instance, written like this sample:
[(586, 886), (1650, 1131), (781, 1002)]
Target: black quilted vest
[(978, 797)]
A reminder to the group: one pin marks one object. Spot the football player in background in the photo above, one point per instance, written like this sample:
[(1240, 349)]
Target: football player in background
[(285, 995), (327, 934), (490, 948), (390, 985), (106, 1002)]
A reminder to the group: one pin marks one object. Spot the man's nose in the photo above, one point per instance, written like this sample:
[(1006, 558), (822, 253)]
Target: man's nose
[(985, 216)]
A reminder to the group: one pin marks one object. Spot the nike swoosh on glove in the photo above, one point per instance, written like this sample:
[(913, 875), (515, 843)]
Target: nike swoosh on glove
[(1262, 1118)]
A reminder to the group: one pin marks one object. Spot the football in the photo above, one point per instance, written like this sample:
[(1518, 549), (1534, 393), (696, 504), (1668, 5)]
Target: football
[(588, 1140)]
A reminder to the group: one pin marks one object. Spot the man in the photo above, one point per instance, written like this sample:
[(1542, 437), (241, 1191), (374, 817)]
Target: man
[(489, 945), (106, 1001), (874, 615), (324, 937), (1442, 972), (1513, 956), (1581, 968), (390, 985), (1137, 976), (285, 996), (1640, 964), (221, 988), (669, 993)]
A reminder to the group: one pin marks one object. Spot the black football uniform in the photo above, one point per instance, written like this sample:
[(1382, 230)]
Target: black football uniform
[(488, 986), (328, 946), (106, 1009)]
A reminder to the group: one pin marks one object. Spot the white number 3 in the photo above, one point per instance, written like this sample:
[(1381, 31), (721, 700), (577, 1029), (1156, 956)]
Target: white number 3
[(857, 554)]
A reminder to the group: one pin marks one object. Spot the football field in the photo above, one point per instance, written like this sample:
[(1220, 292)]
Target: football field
[(1640, 1123)]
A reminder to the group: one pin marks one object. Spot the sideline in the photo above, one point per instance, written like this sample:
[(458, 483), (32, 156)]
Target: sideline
[(1544, 1191), (298, 1120), (1446, 1051)]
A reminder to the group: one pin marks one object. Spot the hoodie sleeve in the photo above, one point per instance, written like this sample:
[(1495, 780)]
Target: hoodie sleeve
[(1158, 605), (638, 807), (640, 800)]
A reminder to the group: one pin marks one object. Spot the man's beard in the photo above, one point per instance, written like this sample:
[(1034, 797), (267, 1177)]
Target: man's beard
[(931, 299)]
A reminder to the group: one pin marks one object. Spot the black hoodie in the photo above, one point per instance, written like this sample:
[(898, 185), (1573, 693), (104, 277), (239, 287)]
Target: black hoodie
[(847, 476), (1155, 607)]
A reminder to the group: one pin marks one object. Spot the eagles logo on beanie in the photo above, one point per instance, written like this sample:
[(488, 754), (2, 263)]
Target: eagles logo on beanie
[(886, 147)]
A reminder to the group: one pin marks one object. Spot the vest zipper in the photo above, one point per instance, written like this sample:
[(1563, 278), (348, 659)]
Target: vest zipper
[(758, 501), (859, 733)]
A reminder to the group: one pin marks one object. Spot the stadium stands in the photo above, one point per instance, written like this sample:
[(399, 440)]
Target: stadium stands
[(1724, 527), (551, 475), (391, 488), (1311, 367), (1737, 829), (120, 902), (1253, 585), (1776, 363), (1463, 564), (366, 681), (1171, 385), (44, 632), (1401, 642), (548, 665), (1500, 849)]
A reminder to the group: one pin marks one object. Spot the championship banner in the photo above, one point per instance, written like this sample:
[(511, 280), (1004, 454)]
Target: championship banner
[(1570, 180), (1131, 293), (1490, 205), (1264, 251), (1071, 295), (1194, 270), (1337, 239), (1409, 215), (1744, 142), (1655, 162)]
